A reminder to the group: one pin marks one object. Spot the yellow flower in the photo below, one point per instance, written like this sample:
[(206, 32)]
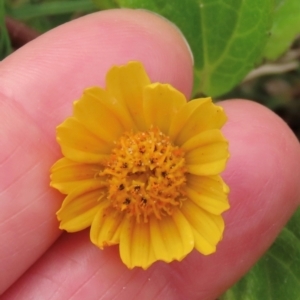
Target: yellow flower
[(141, 168)]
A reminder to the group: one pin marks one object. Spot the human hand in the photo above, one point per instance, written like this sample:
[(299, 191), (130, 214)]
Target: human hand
[(38, 83)]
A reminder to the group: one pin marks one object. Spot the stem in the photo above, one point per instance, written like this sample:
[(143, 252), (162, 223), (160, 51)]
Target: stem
[(270, 69), (289, 62)]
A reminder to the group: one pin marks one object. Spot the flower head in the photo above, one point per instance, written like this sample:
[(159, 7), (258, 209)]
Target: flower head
[(141, 168)]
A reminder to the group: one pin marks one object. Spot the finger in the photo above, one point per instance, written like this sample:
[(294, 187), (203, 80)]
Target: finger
[(38, 83), (262, 173)]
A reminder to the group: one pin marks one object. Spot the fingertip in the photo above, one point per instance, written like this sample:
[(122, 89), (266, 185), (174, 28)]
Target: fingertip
[(260, 141), (39, 82), (263, 174), (78, 54)]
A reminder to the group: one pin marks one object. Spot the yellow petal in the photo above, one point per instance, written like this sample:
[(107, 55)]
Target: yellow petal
[(161, 104), (135, 244), (184, 114), (168, 239), (208, 193), (208, 159), (196, 120), (79, 144), (105, 229), (126, 84), (207, 228), (172, 237), (97, 118), (213, 183), (118, 109), (67, 175), (204, 138), (80, 207)]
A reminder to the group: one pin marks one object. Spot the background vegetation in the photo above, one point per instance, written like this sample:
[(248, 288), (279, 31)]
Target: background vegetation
[(242, 49)]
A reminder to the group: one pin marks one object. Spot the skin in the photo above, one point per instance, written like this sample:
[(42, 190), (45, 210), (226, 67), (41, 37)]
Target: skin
[(38, 84)]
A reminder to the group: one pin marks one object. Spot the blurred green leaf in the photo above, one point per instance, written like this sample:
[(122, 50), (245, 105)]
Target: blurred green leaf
[(105, 4), (5, 46), (28, 11), (226, 36), (277, 275), (286, 26)]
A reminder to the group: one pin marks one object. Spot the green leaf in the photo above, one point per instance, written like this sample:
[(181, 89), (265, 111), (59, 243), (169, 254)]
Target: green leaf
[(286, 27), (105, 4), (28, 11), (277, 275), (5, 46), (226, 36)]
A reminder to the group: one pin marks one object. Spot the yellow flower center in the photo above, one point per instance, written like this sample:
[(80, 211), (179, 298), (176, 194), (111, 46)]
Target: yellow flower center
[(146, 175)]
